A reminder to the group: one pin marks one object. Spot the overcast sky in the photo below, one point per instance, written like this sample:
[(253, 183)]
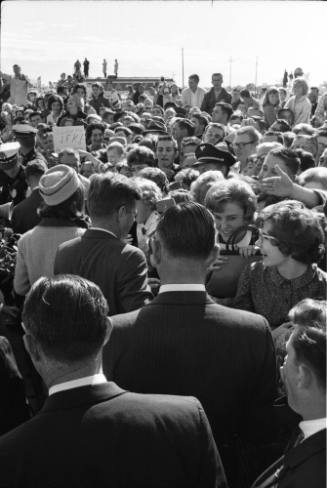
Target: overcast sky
[(46, 38)]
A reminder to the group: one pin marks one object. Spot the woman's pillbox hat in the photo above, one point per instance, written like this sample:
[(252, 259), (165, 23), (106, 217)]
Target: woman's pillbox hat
[(58, 184)]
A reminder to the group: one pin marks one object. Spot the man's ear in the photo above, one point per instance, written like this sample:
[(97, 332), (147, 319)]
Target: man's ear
[(213, 256), (305, 377), (108, 331), (156, 253), (31, 347)]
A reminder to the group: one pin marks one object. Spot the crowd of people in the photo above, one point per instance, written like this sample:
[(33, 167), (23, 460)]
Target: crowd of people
[(163, 292)]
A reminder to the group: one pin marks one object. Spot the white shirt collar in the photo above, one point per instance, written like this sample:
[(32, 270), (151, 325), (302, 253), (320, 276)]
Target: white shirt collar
[(103, 230), (182, 287), (311, 427), (95, 379)]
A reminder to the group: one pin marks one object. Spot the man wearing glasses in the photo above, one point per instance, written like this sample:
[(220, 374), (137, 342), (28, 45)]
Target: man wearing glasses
[(245, 143)]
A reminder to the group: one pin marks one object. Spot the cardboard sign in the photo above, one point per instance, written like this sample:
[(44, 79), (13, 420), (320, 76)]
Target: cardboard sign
[(71, 136)]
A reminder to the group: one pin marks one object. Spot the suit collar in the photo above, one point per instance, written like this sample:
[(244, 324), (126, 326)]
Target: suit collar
[(85, 395), (308, 448), (180, 297), (98, 233)]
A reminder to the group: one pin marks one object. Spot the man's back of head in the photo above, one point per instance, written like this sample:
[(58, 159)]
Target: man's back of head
[(65, 319), (188, 231), (111, 201)]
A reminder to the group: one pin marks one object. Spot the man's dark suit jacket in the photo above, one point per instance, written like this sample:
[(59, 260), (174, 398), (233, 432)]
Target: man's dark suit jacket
[(120, 270), (98, 436), (182, 343), (210, 100), (303, 466), (24, 216)]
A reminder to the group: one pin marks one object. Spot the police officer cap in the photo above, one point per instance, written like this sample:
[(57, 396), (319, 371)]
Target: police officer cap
[(24, 128), (208, 153), (8, 152)]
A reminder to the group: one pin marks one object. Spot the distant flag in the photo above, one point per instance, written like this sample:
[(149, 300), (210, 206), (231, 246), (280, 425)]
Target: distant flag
[(285, 79)]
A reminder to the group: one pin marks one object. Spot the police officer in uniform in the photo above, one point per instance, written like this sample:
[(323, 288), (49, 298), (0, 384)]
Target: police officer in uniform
[(13, 185)]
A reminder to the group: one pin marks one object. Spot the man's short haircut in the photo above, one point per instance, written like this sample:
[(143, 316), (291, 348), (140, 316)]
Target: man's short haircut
[(188, 231), (288, 111), (203, 183), (156, 175), (141, 155), (283, 125), (289, 158), (118, 146), (185, 124), (35, 168), (194, 77), (216, 74), (245, 93), (297, 230), (66, 315), (226, 108), (309, 336), (80, 85), (251, 132), (186, 177), (34, 113), (201, 119), (167, 137), (235, 191), (108, 192)]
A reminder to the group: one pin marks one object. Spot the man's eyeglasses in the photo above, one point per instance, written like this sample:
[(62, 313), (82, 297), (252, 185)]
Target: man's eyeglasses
[(242, 144)]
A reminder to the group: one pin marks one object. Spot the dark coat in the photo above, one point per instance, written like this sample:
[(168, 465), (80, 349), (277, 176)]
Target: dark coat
[(303, 466), (24, 216), (119, 269), (210, 100), (182, 343), (97, 436), (99, 102), (12, 189)]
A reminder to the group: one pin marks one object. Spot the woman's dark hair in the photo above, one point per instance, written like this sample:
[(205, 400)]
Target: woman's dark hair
[(55, 98), (297, 230), (268, 92), (77, 86), (37, 102), (306, 159), (71, 210), (91, 127), (141, 155)]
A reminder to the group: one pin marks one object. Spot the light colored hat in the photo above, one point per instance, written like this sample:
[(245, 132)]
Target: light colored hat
[(8, 151), (58, 184), (24, 129), (8, 155)]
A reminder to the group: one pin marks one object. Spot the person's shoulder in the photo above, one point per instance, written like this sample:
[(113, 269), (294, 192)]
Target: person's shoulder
[(18, 437), (233, 317), (126, 320), (70, 244), (132, 252), (153, 405)]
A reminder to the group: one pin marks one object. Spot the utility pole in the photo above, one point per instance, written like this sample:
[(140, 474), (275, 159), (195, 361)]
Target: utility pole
[(183, 67), (256, 73)]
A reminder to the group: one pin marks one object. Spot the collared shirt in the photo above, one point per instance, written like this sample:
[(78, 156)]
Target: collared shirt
[(182, 287), (311, 427), (95, 379), (103, 230)]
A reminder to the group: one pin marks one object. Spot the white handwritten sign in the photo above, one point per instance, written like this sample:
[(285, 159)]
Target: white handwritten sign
[(71, 136)]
